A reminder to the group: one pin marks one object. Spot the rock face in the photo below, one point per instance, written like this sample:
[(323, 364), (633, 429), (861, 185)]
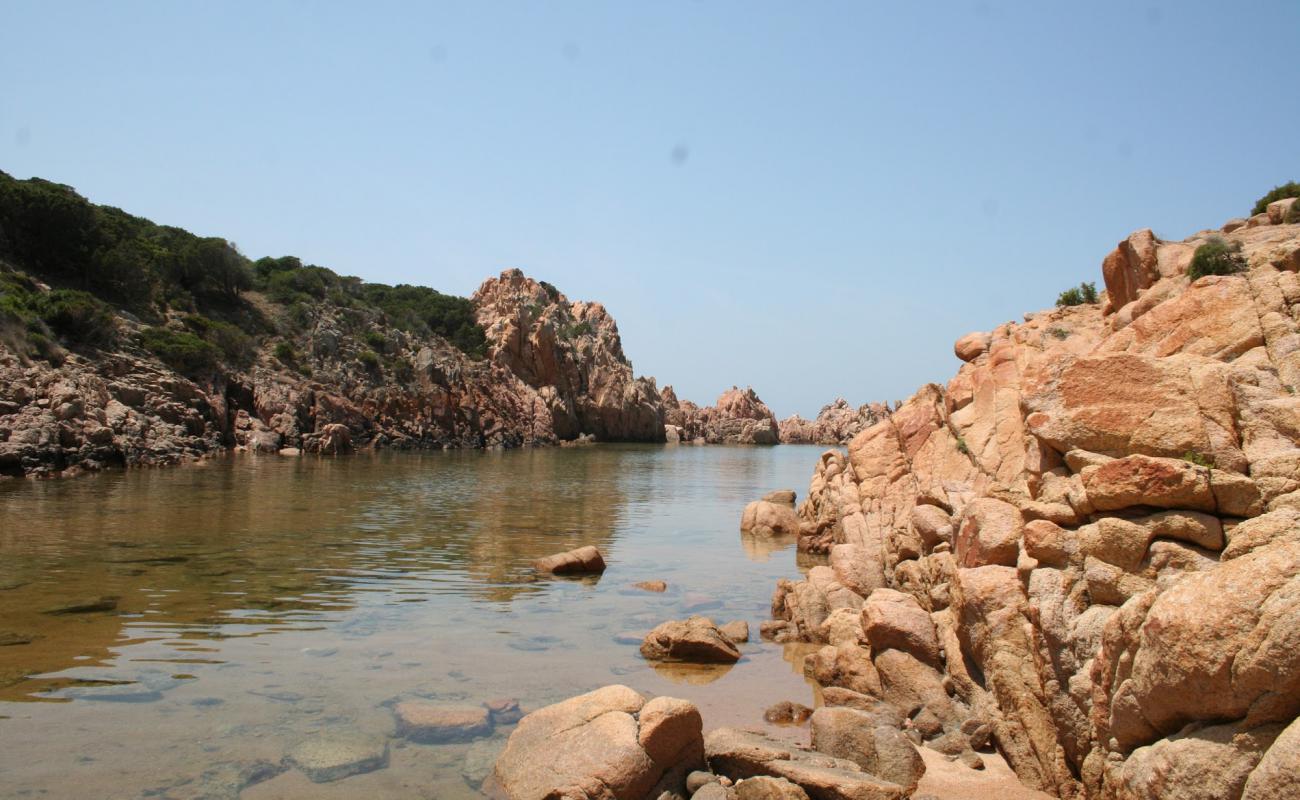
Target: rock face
[(836, 423), (1083, 549), (610, 743), (572, 354), (739, 417)]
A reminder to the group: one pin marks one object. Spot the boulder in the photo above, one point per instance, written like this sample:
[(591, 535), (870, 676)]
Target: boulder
[(891, 619), (972, 345), (737, 631), (881, 750), (763, 787), (598, 745), (739, 755), (695, 639), (584, 560), (989, 534), (334, 757), (784, 497), (765, 518), (1278, 772)]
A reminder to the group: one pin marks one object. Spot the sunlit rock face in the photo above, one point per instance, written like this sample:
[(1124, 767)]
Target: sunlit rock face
[(1096, 521), (571, 353)]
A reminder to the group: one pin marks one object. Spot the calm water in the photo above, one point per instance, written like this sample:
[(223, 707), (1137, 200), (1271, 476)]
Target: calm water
[(261, 602)]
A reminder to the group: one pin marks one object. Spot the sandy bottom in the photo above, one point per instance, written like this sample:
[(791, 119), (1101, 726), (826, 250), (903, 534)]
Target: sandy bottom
[(952, 780)]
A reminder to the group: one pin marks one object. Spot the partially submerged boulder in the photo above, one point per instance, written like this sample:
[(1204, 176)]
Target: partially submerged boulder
[(695, 639), (582, 561), (766, 518), (610, 744)]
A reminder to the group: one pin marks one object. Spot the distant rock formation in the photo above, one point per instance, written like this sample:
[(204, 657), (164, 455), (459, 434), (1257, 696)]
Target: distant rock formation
[(836, 423), (1085, 548), (572, 355), (739, 417)]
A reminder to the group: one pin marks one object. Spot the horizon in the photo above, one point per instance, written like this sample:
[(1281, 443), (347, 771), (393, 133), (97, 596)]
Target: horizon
[(785, 188)]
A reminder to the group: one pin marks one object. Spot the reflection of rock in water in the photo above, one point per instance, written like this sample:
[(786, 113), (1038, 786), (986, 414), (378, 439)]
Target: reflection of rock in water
[(761, 548), (694, 674), (806, 561)]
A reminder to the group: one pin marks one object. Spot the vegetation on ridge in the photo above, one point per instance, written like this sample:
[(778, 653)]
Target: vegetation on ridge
[(98, 258), (1288, 189), (1078, 295)]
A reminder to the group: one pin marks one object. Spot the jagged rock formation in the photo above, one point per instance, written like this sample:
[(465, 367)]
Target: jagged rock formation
[(126, 408), (836, 423), (739, 417), (1086, 547), (572, 355)]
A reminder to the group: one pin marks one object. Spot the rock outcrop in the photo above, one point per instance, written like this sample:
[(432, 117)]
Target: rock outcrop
[(739, 417), (836, 423), (571, 353), (1082, 550)]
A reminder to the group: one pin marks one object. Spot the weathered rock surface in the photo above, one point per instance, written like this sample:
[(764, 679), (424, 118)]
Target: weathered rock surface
[(836, 423), (571, 353), (741, 755), (610, 743), (739, 417), (1083, 550), (695, 639)]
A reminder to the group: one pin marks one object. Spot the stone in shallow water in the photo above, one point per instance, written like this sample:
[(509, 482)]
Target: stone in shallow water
[(10, 638), (479, 759), (83, 606), (431, 723), (332, 758), (504, 710)]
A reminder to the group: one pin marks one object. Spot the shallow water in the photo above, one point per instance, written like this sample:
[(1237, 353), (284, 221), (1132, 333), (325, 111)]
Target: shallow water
[(264, 601)]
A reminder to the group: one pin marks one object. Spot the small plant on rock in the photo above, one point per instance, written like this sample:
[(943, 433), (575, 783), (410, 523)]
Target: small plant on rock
[(1059, 333), (1217, 256), (1198, 459), (1078, 295), (961, 446)]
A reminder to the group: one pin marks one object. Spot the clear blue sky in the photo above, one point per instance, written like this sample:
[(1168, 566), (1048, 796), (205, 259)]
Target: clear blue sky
[(813, 198)]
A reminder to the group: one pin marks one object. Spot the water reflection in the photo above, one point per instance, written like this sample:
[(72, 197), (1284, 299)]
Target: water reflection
[(210, 616)]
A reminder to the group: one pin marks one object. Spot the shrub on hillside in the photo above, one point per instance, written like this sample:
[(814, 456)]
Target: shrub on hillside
[(79, 317), (1288, 189), (1078, 295), (180, 350), (1216, 257)]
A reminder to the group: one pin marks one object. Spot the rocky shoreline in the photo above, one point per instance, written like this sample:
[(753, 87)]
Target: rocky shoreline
[(1081, 555)]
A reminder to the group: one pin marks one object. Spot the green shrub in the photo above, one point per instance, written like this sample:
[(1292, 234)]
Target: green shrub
[(369, 359), (1288, 189), (1216, 257), (1198, 459), (1059, 333), (235, 345), (79, 317), (962, 446), (285, 353), (180, 350), (1078, 295), (377, 341), (574, 330), (1293, 214)]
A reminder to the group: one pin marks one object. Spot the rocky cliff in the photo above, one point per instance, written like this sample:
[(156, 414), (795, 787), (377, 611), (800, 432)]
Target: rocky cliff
[(1086, 546), (572, 355)]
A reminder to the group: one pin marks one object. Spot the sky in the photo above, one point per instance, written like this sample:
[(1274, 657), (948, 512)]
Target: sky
[(815, 198)]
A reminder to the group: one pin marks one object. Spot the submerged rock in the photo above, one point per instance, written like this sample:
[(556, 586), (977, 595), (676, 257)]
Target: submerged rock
[(430, 723), (331, 758), (88, 605)]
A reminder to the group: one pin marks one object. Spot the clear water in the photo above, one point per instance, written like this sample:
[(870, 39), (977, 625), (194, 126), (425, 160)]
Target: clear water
[(263, 601)]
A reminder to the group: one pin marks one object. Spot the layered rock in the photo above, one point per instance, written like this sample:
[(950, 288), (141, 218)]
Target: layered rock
[(572, 354), (1083, 548), (836, 423), (739, 417)]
